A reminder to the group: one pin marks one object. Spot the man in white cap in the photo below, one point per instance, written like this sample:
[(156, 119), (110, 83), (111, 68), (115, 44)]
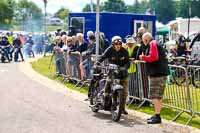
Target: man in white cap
[(116, 54), (132, 51)]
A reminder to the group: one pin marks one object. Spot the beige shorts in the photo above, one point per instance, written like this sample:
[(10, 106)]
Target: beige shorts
[(157, 87)]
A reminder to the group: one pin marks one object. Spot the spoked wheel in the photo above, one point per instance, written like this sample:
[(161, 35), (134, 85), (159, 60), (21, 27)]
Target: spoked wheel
[(117, 104), (93, 100), (196, 78)]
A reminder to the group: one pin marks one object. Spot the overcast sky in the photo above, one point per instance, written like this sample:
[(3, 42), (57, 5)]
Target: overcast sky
[(73, 5)]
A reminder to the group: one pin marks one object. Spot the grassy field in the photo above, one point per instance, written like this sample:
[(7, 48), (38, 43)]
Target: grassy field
[(54, 27), (42, 67), (42, 64), (177, 96), (50, 28)]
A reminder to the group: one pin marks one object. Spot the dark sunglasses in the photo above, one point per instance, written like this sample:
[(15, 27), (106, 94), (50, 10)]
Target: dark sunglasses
[(117, 42)]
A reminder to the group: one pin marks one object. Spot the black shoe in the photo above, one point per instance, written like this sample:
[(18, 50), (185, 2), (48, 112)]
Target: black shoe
[(153, 116), (154, 120)]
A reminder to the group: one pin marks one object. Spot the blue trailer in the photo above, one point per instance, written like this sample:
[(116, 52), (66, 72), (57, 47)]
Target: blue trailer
[(111, 24)]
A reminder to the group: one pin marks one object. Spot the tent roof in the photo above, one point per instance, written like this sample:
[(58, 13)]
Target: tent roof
[(163, 30)]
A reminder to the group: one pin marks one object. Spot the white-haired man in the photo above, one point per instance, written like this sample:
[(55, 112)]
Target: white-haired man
[(81, 44), (157, 71)]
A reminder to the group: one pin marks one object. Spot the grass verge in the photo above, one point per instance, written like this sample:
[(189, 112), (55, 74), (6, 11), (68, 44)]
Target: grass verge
[(41, 66)]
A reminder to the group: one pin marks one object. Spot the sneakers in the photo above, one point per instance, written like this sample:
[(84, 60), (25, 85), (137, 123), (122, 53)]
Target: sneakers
[(154, 120)]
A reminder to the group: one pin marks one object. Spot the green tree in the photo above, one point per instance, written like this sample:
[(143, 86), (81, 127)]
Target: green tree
[(183, 8), (29, 9), (6, 13), (62, 13), (29, 16), (114, 6), (87, 7), (138, 7), (195, 8), (165, 10)]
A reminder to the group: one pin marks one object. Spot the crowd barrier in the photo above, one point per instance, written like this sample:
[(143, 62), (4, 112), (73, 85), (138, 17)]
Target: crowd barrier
[(182, 90)]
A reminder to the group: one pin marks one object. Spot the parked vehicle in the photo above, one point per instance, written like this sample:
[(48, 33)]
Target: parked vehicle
[(55, 21)]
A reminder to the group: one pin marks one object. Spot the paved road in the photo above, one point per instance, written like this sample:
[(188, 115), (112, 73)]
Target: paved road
[(27, 106)]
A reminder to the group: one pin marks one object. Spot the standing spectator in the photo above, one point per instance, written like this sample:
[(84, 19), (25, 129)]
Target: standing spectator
[(69, 48), (74, 39), (73, 67), (59, 56), (22, 39), (140, 51), (17, 44), (10, 48), (103, 43), (29, 42), (90, 33), (10, 39), (86, 64), (142, 47), (65, 46), (132, 51), (157, 71), (81, 45), (181, 44)]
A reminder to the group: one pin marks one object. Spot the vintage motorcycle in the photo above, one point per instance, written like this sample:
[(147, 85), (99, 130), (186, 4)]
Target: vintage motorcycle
[(4, 56), (112, 99)]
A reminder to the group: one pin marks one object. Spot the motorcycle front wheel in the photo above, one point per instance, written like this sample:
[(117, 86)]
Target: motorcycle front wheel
[(117, 105), (93, 100)]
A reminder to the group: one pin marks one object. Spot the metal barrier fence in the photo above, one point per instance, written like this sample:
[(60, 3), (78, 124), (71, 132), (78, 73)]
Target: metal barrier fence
[(194, 88), (182, 90)]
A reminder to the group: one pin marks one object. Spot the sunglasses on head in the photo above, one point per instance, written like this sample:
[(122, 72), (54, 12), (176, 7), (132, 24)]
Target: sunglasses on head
[(117, 42)]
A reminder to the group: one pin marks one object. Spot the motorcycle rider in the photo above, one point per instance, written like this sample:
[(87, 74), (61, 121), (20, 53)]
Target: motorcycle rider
[(17, 44), (30, 42), (4, 42), (117, 55)]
